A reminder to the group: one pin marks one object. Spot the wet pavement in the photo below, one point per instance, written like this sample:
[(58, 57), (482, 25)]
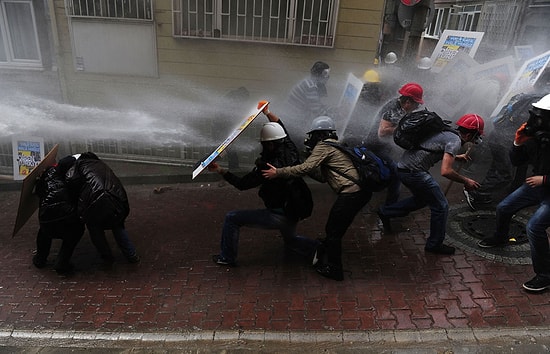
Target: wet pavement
[(394, 298)]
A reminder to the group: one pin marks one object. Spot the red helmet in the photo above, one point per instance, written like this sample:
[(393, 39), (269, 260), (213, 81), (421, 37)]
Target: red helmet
[(412, 90), (471, 121), (410, 2)]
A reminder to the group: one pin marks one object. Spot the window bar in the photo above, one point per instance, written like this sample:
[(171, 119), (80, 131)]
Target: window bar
[(239, 20), (301, 31), (326, 22), (274, 13), (290, 22), (308, 19)]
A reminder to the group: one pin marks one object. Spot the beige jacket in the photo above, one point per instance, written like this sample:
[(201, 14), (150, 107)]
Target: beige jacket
[(315, 166)]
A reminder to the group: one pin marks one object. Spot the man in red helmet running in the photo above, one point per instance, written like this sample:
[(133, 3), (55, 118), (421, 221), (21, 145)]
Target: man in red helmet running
[(413, 170), (380, 138)]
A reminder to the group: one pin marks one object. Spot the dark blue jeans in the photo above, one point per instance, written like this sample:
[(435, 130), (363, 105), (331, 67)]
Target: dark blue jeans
[(425, 192), (260, 219), (521, 198), (97, 235)]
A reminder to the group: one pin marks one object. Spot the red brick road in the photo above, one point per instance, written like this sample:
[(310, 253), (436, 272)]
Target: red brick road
[(392, 283)]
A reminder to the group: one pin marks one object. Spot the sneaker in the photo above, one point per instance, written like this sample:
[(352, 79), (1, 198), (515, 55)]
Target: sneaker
[(441, 249), (386, 223), (219, 260), (331, 272), (469, 199), (537, 284), (491, 242)]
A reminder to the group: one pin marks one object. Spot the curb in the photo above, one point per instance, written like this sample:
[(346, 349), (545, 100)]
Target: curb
[(388, 338)]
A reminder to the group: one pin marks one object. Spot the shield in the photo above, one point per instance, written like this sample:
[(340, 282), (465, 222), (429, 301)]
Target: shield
[(28, 201)]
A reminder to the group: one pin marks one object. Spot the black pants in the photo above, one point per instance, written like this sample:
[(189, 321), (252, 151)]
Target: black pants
[(70, 232), (341, 215)]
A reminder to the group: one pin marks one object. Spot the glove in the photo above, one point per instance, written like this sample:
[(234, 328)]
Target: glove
[(265, 110), (521, 137)]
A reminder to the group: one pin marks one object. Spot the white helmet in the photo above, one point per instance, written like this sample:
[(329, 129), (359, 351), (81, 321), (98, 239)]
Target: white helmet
[(322, 123), (390, 58), (543, 103), (272, 131), (425, 63)]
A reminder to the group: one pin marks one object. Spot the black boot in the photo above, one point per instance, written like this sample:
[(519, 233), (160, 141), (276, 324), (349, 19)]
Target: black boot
[(331, 272), (332, 267)]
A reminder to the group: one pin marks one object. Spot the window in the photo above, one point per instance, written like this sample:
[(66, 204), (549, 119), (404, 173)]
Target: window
[(113, 9), (439, 23), (499, 22), (460, 18), (298, 22), (18, 35)]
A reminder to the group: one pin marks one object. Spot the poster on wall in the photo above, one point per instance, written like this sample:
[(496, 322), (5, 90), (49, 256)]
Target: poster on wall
[(349, 98), (525, 78), (27, 154), (451, 43)]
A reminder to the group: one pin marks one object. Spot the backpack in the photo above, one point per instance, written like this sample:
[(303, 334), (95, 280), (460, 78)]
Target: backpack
[(516, 111), (415, 127), (375, 173), (299, 202)]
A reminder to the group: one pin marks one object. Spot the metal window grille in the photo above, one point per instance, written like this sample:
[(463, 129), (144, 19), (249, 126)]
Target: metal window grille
[(499, 22), (296, 22), (439, 23), (111, 9)]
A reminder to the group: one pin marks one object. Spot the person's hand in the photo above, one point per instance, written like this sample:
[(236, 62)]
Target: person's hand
[(521, 137), (213, 167), (270, 173), (463, 157), (534, 181), (266, 109), (471, 185)]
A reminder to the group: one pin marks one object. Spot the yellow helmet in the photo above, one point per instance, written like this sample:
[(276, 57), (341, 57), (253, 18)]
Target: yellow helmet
[(371, 76)]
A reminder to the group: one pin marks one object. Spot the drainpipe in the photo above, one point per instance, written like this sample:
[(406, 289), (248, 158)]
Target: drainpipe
[(58, 53)]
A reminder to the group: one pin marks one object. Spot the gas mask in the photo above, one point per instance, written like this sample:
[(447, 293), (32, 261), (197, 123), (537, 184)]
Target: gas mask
[(311, 140), (537, 123), (478, 139)]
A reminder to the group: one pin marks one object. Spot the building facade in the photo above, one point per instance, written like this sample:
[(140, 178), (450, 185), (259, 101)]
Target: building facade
[(176, 60)]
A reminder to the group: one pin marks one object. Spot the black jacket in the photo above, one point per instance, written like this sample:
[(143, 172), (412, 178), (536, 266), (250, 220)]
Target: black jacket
[(56, 201), (101, 194), (536, 152), (272, 191)]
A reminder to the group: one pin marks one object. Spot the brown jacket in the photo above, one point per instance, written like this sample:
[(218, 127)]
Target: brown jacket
[(315, 166)]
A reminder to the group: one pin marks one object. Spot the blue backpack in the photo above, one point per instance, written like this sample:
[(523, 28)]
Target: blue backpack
[(375, 173)]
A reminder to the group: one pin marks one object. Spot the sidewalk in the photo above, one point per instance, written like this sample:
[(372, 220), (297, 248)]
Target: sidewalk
[(394, 294)]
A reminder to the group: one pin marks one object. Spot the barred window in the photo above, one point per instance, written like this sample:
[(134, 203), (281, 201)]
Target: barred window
[(111, 9), (499, 22), (460, 18), (297, 22)]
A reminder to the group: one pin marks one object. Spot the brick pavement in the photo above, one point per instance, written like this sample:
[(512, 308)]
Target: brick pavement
[(392, 286)]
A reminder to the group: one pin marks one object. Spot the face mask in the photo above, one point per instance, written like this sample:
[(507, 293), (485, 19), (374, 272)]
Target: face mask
[(477, 140), (311, 141)]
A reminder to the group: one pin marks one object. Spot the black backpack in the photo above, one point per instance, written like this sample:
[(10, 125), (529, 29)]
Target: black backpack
[(415, 127), (299, 202), (375, 173)]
